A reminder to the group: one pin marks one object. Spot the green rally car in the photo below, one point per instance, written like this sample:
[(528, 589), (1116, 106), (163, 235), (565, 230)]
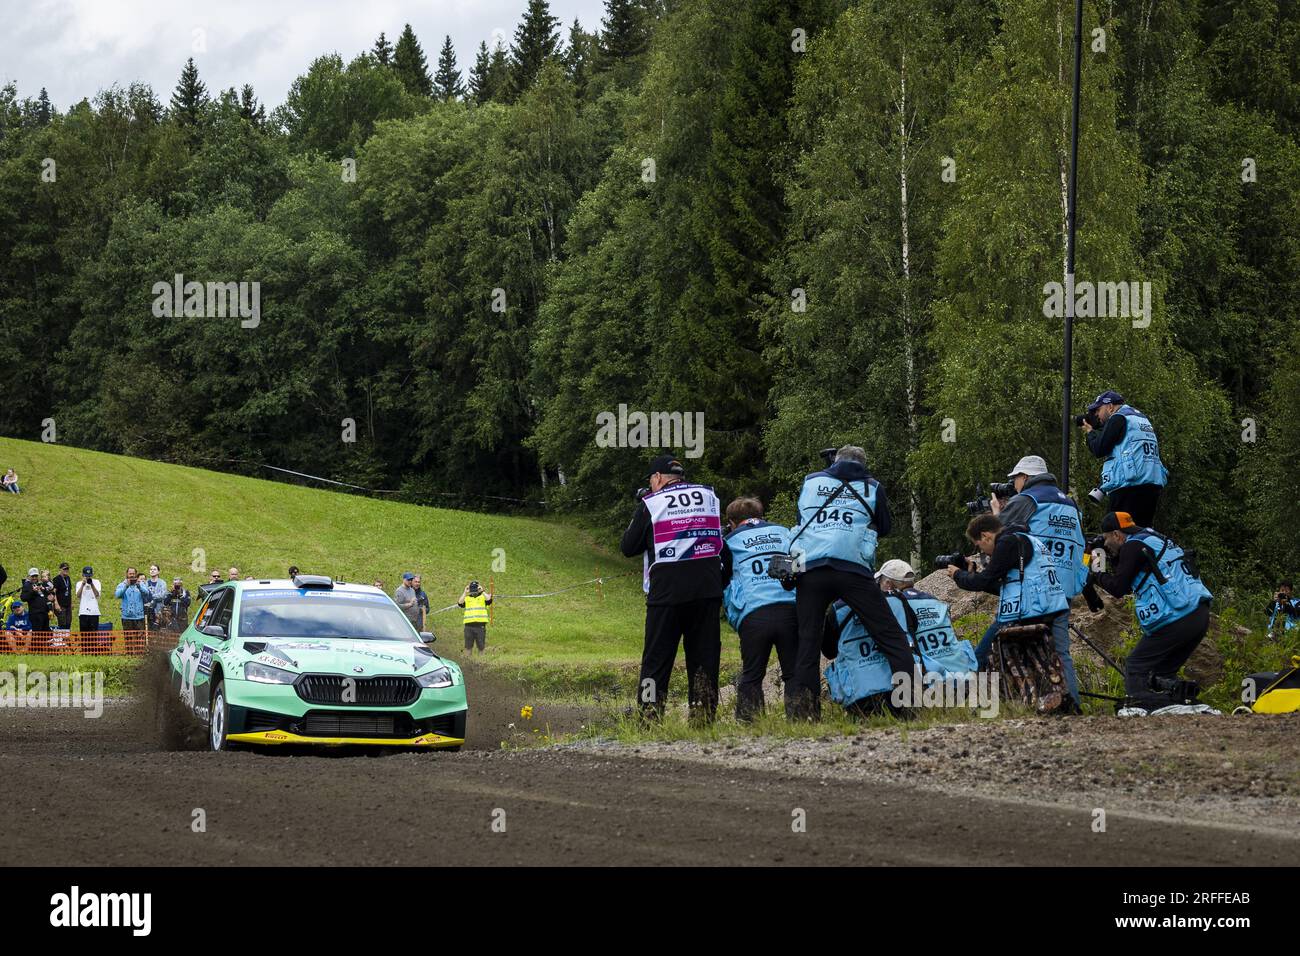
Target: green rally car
[(314, 661)]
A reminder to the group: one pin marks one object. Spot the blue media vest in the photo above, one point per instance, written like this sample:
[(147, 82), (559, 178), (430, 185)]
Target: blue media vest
[(837, 529), (752, 545), (1040, 593), (1157, 605), (1056, 520), (861, 668), (1136, 459)]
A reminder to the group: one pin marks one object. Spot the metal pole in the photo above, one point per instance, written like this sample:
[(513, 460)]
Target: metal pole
[(1071, 217)]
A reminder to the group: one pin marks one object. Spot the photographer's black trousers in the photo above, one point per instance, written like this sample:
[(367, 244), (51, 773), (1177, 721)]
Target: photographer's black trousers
[(1138, 500), (764, 628), (1162, 653), (816, 591), (695, 624)]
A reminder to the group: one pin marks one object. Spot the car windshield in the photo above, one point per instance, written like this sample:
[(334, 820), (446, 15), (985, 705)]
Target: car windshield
[(323, 614)]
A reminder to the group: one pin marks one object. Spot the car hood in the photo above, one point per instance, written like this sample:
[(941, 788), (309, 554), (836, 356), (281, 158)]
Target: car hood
[(341, 656)]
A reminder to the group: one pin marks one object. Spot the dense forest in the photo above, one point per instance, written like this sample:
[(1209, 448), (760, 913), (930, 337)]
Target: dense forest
[(812, 221)]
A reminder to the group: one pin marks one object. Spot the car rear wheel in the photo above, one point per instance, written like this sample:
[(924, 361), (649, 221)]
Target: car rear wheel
[(219, 718)]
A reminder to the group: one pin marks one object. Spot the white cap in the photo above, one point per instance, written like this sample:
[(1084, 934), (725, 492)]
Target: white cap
[(1029, 465), (31, 571), (896, 570)]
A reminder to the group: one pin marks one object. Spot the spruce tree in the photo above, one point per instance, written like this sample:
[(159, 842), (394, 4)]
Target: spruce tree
[(537, 38), (190, 97), (383, 51), (479, 78), (410, 64), (447, 84)]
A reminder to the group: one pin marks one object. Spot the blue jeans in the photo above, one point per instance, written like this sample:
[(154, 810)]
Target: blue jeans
[(1060, 640)]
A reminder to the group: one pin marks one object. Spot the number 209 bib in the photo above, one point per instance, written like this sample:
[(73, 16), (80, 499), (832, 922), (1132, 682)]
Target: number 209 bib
[(686, 523)]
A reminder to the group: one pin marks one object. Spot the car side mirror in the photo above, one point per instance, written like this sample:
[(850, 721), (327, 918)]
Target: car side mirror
[(214, 630), (428, 637)]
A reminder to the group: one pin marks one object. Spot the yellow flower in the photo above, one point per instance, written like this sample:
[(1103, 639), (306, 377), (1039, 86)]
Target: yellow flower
[(526, 712)]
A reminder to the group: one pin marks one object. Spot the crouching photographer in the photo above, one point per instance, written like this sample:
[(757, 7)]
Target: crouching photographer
[(1052, 516), (1172, 608), (1020, 572), (843, 512)]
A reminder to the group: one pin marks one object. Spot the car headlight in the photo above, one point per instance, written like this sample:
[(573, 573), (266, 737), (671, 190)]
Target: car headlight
[(266, 674), (438, 677)]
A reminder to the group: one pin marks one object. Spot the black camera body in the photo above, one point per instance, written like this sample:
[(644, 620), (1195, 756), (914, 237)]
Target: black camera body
[(781, 568), (1178, 690), (982, 503), (828, 455), (1089, 417)]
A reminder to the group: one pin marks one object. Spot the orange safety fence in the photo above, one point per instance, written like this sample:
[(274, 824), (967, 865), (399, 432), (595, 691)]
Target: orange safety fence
[(99, 643)]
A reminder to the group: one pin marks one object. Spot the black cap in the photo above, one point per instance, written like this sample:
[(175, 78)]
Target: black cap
[(63, 565), (665, 465), (1118, 521)]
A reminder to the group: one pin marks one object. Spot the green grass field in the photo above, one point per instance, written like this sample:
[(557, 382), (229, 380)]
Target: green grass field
[(109, 511)]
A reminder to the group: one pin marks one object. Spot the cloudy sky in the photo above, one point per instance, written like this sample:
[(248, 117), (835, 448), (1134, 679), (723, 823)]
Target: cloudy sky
[(74, 48)]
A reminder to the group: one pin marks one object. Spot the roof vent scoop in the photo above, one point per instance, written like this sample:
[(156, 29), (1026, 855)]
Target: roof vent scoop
[(321, 581)]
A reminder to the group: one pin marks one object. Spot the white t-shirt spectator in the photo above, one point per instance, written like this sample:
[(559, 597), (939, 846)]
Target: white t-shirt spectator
[(90, 603)]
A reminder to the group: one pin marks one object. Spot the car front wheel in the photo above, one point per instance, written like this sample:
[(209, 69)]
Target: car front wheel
[(219, 719)]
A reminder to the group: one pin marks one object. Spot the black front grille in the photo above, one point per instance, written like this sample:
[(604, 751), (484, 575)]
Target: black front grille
[(367, 691), (317, 723)]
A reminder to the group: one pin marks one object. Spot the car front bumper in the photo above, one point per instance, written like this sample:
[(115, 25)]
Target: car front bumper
[(274, 714)]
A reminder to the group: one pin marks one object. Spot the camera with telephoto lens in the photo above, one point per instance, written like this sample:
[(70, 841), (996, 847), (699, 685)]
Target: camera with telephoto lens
[(641, 493), (949, 560), (828, 455), (982, 503), (1176, 689), (1089, 417)]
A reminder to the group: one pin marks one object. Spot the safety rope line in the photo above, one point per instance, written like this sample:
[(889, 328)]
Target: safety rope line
[(541, 502), (581, 584)]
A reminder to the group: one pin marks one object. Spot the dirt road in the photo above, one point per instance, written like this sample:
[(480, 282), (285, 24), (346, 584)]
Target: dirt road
[(82, 791)]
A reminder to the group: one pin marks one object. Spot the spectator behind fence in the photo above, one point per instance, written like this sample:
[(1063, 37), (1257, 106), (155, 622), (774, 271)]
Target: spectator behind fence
[(10, 481), (18, 619), (63, 596), (133, 595), (88, 592), (177, 606), (37, 599), (157, 589)]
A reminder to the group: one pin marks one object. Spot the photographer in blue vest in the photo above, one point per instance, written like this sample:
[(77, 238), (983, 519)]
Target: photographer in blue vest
[(1171, 604), (1053, 517), (1021, 573), (1132, 473), (678, 528), (758, 607), (859, 676), (842, 513), (1283, 607)]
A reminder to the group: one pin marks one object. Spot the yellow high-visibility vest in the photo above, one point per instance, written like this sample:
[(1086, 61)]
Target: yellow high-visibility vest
[(476, 609)]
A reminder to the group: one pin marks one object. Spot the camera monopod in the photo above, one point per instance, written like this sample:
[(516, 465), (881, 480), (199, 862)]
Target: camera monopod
[(1104, 656)]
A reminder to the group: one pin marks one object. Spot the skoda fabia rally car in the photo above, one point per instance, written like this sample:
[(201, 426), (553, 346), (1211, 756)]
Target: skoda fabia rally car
[(314, 661)]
